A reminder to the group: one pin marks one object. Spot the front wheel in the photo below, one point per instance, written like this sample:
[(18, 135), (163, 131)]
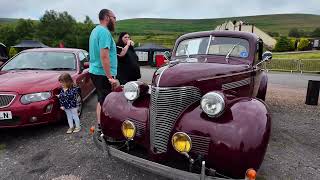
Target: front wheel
[(262, 93)]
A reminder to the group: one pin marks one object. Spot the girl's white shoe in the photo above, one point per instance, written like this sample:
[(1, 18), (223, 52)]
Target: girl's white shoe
[(69, 130), (77, 129)]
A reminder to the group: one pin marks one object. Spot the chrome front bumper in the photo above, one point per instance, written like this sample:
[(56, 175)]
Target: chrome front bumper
[(151, 166)]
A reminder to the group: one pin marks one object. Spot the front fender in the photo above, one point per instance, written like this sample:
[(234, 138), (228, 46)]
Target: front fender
[(262, 91), (235, 141), (117, 109)]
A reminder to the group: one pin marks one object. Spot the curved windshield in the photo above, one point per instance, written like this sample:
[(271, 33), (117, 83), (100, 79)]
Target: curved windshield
[(235, 47), (42, 61), (193, 46)]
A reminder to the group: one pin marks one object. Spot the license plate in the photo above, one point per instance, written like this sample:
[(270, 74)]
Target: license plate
[(5, 115)]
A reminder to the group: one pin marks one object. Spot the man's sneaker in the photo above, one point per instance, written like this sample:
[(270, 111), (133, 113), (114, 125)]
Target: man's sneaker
[(69, 130), (77, 129)]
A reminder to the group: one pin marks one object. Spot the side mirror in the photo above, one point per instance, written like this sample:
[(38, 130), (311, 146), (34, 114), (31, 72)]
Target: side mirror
[(267, 56), (167, 55), (86, 65)]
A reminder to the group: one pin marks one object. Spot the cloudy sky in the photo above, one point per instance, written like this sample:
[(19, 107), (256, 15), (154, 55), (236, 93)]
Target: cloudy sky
[(178, 9)]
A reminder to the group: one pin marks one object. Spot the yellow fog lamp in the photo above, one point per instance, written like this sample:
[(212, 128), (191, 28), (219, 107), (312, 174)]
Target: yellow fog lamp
[(128, 129), (181, 142)]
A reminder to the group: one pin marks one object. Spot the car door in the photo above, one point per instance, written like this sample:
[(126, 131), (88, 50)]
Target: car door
[(85, 82), (82, 79)]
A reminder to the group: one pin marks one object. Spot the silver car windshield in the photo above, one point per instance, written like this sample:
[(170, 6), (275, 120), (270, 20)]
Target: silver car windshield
[(214, 46), (42, 61)]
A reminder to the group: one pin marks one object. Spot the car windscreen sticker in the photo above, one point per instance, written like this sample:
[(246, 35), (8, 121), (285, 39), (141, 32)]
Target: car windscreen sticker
[(244, 54)]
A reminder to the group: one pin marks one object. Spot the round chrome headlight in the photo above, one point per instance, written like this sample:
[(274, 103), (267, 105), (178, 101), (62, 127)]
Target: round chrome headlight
[(131, 90), (212, 104)]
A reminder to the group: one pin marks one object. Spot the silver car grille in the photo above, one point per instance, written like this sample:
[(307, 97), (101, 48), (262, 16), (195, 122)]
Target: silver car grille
[(139, 125), (200, 144), (166, 106), (6, 100)]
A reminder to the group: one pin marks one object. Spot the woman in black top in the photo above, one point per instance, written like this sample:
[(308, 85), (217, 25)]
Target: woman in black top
[(128, 67)]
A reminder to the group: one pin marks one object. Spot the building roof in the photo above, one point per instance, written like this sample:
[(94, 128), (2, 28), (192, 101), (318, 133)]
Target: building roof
[(151, 46), (30, 44)]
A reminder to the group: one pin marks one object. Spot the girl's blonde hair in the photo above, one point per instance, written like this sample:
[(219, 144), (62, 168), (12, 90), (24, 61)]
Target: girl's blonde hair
[(67, 80)]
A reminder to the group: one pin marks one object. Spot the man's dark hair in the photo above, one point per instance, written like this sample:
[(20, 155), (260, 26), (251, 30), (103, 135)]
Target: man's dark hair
[(103, 13)]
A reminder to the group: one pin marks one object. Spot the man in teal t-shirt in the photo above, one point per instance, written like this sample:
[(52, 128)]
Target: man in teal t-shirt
[(103, 57)]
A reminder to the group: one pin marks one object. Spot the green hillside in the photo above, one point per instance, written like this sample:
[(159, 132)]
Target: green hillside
[(7, 20), (280, 23), (165, 31)]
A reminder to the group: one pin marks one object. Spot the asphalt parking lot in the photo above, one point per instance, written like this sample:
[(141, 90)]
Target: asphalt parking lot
[(46, 152)]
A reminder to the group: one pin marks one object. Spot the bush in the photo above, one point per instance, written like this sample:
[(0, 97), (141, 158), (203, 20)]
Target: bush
[(294, 32), (316, 33), (283, 44), (12, 52), (292, 44), (273, 34), (303, 44)]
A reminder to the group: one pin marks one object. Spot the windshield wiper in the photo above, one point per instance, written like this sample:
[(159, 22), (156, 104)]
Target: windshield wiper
[(186, 49), (230, 51), (60, 68)]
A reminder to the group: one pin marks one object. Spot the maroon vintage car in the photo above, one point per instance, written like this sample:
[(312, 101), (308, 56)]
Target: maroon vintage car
[(204, 109), (29, 83)]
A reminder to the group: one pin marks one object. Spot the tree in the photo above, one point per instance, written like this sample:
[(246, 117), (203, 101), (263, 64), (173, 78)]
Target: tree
[(12, 52), (303, 44), (283, 44), (8, 35), (88, 21), (292, 44), (316, 33), (25, 29), (273, 34), (294, 32), (55, 27)]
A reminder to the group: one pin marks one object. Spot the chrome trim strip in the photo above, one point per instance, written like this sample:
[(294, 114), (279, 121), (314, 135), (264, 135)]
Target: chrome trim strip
[(226, 75), (208, 44), (236, 84), (161, 75), (14, 97), (85, 98)]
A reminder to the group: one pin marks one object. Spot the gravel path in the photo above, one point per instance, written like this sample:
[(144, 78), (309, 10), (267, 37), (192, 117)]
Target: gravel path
[(46, 152), (294, 148)]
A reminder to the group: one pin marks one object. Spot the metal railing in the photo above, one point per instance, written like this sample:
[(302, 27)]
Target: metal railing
[(293, 65)]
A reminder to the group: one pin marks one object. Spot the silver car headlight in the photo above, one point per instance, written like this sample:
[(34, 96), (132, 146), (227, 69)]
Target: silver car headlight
[(35, 97), (213, 104), (131, 90)]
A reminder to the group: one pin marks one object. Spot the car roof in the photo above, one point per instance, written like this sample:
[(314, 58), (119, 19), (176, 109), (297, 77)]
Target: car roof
[(246, 35), (69, 50)]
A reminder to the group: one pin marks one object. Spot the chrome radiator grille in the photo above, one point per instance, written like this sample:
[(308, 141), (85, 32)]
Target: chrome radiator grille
[(166, 106), (6, 99), (200, 144)]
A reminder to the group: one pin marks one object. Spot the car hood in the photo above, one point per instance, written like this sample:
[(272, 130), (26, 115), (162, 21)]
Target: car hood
[(24, 82), (186, 73)]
